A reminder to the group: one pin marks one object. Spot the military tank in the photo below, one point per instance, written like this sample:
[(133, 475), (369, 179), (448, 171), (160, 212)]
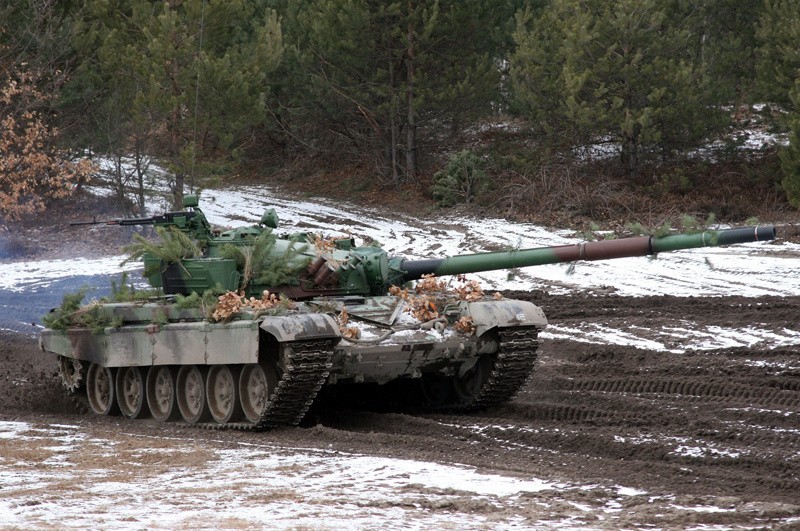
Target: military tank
[(248, 325)]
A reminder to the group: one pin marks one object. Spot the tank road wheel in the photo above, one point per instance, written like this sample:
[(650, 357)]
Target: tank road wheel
[(100, 389), (223, 396), (468, 386), (71, 372), (437, 390), (160, 393), (191, 392), (130, 392), (256, 384)]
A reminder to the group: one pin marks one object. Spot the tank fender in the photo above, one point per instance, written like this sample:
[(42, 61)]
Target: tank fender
[(301, 326), (504, 313)]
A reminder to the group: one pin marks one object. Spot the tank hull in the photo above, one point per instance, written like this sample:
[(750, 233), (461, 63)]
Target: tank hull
[(270, 368)]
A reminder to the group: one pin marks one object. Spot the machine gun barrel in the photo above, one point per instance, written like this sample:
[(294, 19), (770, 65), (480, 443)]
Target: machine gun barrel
[(166, 218), (599, 250), (121, 221)]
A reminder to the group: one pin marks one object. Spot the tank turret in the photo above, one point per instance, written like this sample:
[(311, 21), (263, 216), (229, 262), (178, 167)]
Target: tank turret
[(231, 353)]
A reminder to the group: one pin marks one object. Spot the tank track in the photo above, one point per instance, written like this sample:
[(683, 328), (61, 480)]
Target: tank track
[(308, 364), (515, 360)]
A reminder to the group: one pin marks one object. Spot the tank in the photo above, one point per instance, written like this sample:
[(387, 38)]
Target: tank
[(249, 325)]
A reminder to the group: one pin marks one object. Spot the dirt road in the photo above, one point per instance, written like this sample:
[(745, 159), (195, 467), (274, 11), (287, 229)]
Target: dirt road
[(718, 428)]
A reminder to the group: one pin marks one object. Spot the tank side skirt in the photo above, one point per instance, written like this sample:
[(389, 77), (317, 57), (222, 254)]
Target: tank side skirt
[(146, 345)]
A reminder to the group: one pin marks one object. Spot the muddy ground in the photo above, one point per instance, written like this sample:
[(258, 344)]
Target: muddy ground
[(711, 428), (692, 428)]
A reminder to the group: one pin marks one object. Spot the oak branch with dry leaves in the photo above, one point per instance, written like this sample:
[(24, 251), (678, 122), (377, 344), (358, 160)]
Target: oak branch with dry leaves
[(32, 168)]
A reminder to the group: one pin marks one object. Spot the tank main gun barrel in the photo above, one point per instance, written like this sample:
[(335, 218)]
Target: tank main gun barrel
[(599, 250)]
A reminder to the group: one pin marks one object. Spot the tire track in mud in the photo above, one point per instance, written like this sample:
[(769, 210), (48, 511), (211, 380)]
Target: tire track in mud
[(781, 394)]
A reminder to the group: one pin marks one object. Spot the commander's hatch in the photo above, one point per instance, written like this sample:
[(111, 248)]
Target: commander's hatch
[(379, 310)]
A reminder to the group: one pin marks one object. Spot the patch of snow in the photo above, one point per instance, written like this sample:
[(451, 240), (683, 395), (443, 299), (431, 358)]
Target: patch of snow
[(27, 276), (704, 508), (250, 485)]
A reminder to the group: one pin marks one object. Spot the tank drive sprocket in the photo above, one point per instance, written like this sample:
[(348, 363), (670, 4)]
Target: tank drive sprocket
[(71, 372)]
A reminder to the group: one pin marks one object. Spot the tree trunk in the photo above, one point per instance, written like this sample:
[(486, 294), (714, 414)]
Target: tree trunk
[(177, 191), (140, 174), (393, 147), (411, 126), (393, 132), (632, 148)]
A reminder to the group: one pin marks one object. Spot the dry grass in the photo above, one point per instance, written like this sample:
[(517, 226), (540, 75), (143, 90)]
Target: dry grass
[(33, 453)]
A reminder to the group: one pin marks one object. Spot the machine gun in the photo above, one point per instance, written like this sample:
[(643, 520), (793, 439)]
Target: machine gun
[(192, 221)]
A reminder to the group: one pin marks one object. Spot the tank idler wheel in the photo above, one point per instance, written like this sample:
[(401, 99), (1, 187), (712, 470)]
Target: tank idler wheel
[(131, 395), (223, 394), (257, 381), (191, 392), (468, 386), (100, 390), (160, 388), (71, 372)]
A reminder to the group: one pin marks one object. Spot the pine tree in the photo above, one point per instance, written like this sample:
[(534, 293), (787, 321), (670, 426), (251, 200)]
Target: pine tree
[(188, 76), (778, 64), (722, 37), (616, 70), (779, 81), (790, 156), (382, 79)]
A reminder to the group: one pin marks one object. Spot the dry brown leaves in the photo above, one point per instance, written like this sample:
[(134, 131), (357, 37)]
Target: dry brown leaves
[(423, 306), (32, 169), (399, 292), (348, 332), (231, 303), (324, 245), (465, 325), (266, 302), (470, 291), (327, 245), (429, 283)]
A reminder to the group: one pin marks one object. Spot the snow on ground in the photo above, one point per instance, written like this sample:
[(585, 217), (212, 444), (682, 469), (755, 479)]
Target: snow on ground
[(126, 481), (21, 277)]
